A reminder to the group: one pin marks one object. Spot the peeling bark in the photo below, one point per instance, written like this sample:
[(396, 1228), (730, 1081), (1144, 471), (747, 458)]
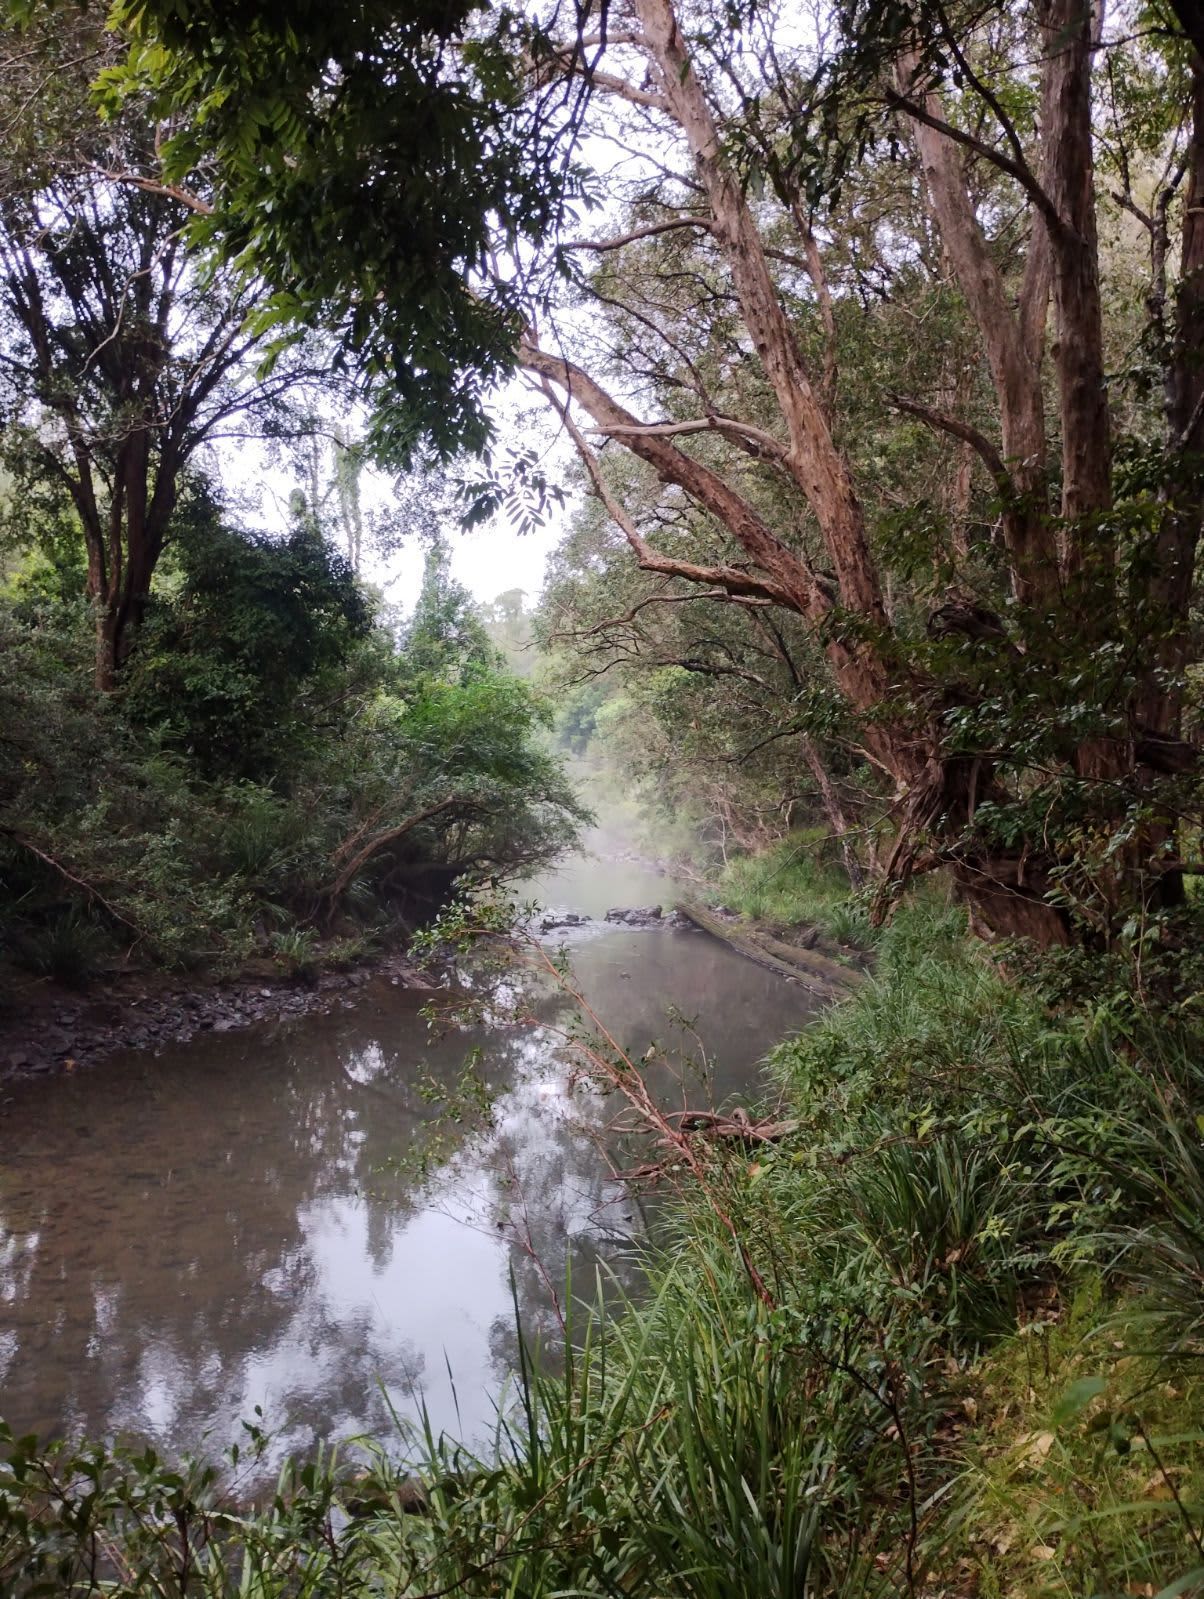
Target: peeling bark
[(1069, 174), (1058, 543), (1015, 373), (815, 463)]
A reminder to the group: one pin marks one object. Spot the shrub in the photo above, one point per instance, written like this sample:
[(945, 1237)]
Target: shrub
[(69, 947)]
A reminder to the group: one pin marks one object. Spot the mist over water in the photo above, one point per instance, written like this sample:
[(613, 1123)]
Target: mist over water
[(239, 1221)]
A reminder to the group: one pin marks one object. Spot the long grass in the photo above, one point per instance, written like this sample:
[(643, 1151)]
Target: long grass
[(791, 883), (967, 1360)]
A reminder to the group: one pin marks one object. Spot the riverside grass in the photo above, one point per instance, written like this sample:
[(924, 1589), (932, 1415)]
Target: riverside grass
[(978, 1371)]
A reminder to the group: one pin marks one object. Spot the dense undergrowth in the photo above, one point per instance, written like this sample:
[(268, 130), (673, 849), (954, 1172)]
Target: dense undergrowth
[(956, 1353), (283, 771)]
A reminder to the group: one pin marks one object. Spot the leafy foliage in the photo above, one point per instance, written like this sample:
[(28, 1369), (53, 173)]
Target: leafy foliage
[(250, 639), (365, 166), (272, 766)]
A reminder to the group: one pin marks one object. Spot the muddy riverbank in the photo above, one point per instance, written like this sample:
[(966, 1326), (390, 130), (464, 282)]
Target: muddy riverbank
[(293, 1214), (48, 1028)]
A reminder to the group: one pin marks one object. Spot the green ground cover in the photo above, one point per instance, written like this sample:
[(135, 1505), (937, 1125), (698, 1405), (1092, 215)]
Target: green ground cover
[(955, 1351)]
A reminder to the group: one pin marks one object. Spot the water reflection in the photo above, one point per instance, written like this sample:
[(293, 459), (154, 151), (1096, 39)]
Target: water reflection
[(238, 1223)]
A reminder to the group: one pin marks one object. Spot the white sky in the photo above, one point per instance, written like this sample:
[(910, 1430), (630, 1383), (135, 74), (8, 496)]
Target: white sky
[(494, 557), (489, 560)]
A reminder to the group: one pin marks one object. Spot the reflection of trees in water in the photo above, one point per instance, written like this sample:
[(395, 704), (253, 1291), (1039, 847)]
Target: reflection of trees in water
[(159, 1261), (178, 1236), (557, 1199), (554, 1201), (167, 1245), (553, 1196)]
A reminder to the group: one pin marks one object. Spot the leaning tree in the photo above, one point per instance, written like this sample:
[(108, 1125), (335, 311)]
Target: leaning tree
[(1027, 730), (1022, 697)]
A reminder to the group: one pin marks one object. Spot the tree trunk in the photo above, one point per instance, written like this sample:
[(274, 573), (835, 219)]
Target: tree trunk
[(107, 632), (834, 811), (1069, 179), (1007, 342), (1160, 703), (1003, 903)]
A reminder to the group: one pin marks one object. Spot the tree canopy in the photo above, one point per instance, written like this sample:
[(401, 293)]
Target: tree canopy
[(870, 355), (124, 353), (369, 164)]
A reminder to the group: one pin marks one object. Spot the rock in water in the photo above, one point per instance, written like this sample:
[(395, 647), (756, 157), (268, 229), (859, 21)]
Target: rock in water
[(636, 915)]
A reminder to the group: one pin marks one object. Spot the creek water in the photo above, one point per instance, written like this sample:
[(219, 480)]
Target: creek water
[(239, 1222)]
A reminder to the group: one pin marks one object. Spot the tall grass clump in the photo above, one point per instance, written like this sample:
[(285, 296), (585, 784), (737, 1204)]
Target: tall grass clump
[(68, 946), (942, 1338), (792, 883), (976, 1163), (692, 1447)]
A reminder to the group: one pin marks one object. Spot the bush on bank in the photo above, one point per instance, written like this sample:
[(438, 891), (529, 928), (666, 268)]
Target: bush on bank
[(281, 766), (973, 1367)]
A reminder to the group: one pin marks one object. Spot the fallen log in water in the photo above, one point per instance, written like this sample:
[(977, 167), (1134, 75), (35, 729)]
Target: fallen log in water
[(731, 1125), (787, 960), (721, 1127)]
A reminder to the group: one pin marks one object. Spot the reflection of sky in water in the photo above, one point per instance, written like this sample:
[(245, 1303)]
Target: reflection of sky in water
[(184, 1238)]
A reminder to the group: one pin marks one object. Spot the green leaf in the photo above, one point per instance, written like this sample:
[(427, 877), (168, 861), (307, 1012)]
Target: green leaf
[(1181, 1585), (1076, 1399)]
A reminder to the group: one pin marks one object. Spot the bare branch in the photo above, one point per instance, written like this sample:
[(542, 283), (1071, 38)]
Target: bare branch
[(984, 90), (628, 91), (703, 424), (92, 892), (390, 836), (170, 191), (729, 578), (1023, 174), (960, 430), (789, 580), (611, 622), (704, 224)]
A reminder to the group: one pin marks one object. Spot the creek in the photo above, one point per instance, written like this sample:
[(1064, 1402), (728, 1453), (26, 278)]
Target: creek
[(239, 1222)]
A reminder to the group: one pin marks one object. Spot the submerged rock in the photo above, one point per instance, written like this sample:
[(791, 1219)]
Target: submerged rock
[(556, 919), (637, 915)]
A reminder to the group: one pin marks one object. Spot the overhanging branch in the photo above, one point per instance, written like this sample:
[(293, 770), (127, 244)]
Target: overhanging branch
[(1023, 174), (729, 578), (788, 580), (703, 224), (943, 423), (729, 426), (169, 191), (610, 622)]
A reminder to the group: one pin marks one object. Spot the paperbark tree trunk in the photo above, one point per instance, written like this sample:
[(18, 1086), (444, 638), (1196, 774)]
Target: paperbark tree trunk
[(834, 811), (1053, 538)]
